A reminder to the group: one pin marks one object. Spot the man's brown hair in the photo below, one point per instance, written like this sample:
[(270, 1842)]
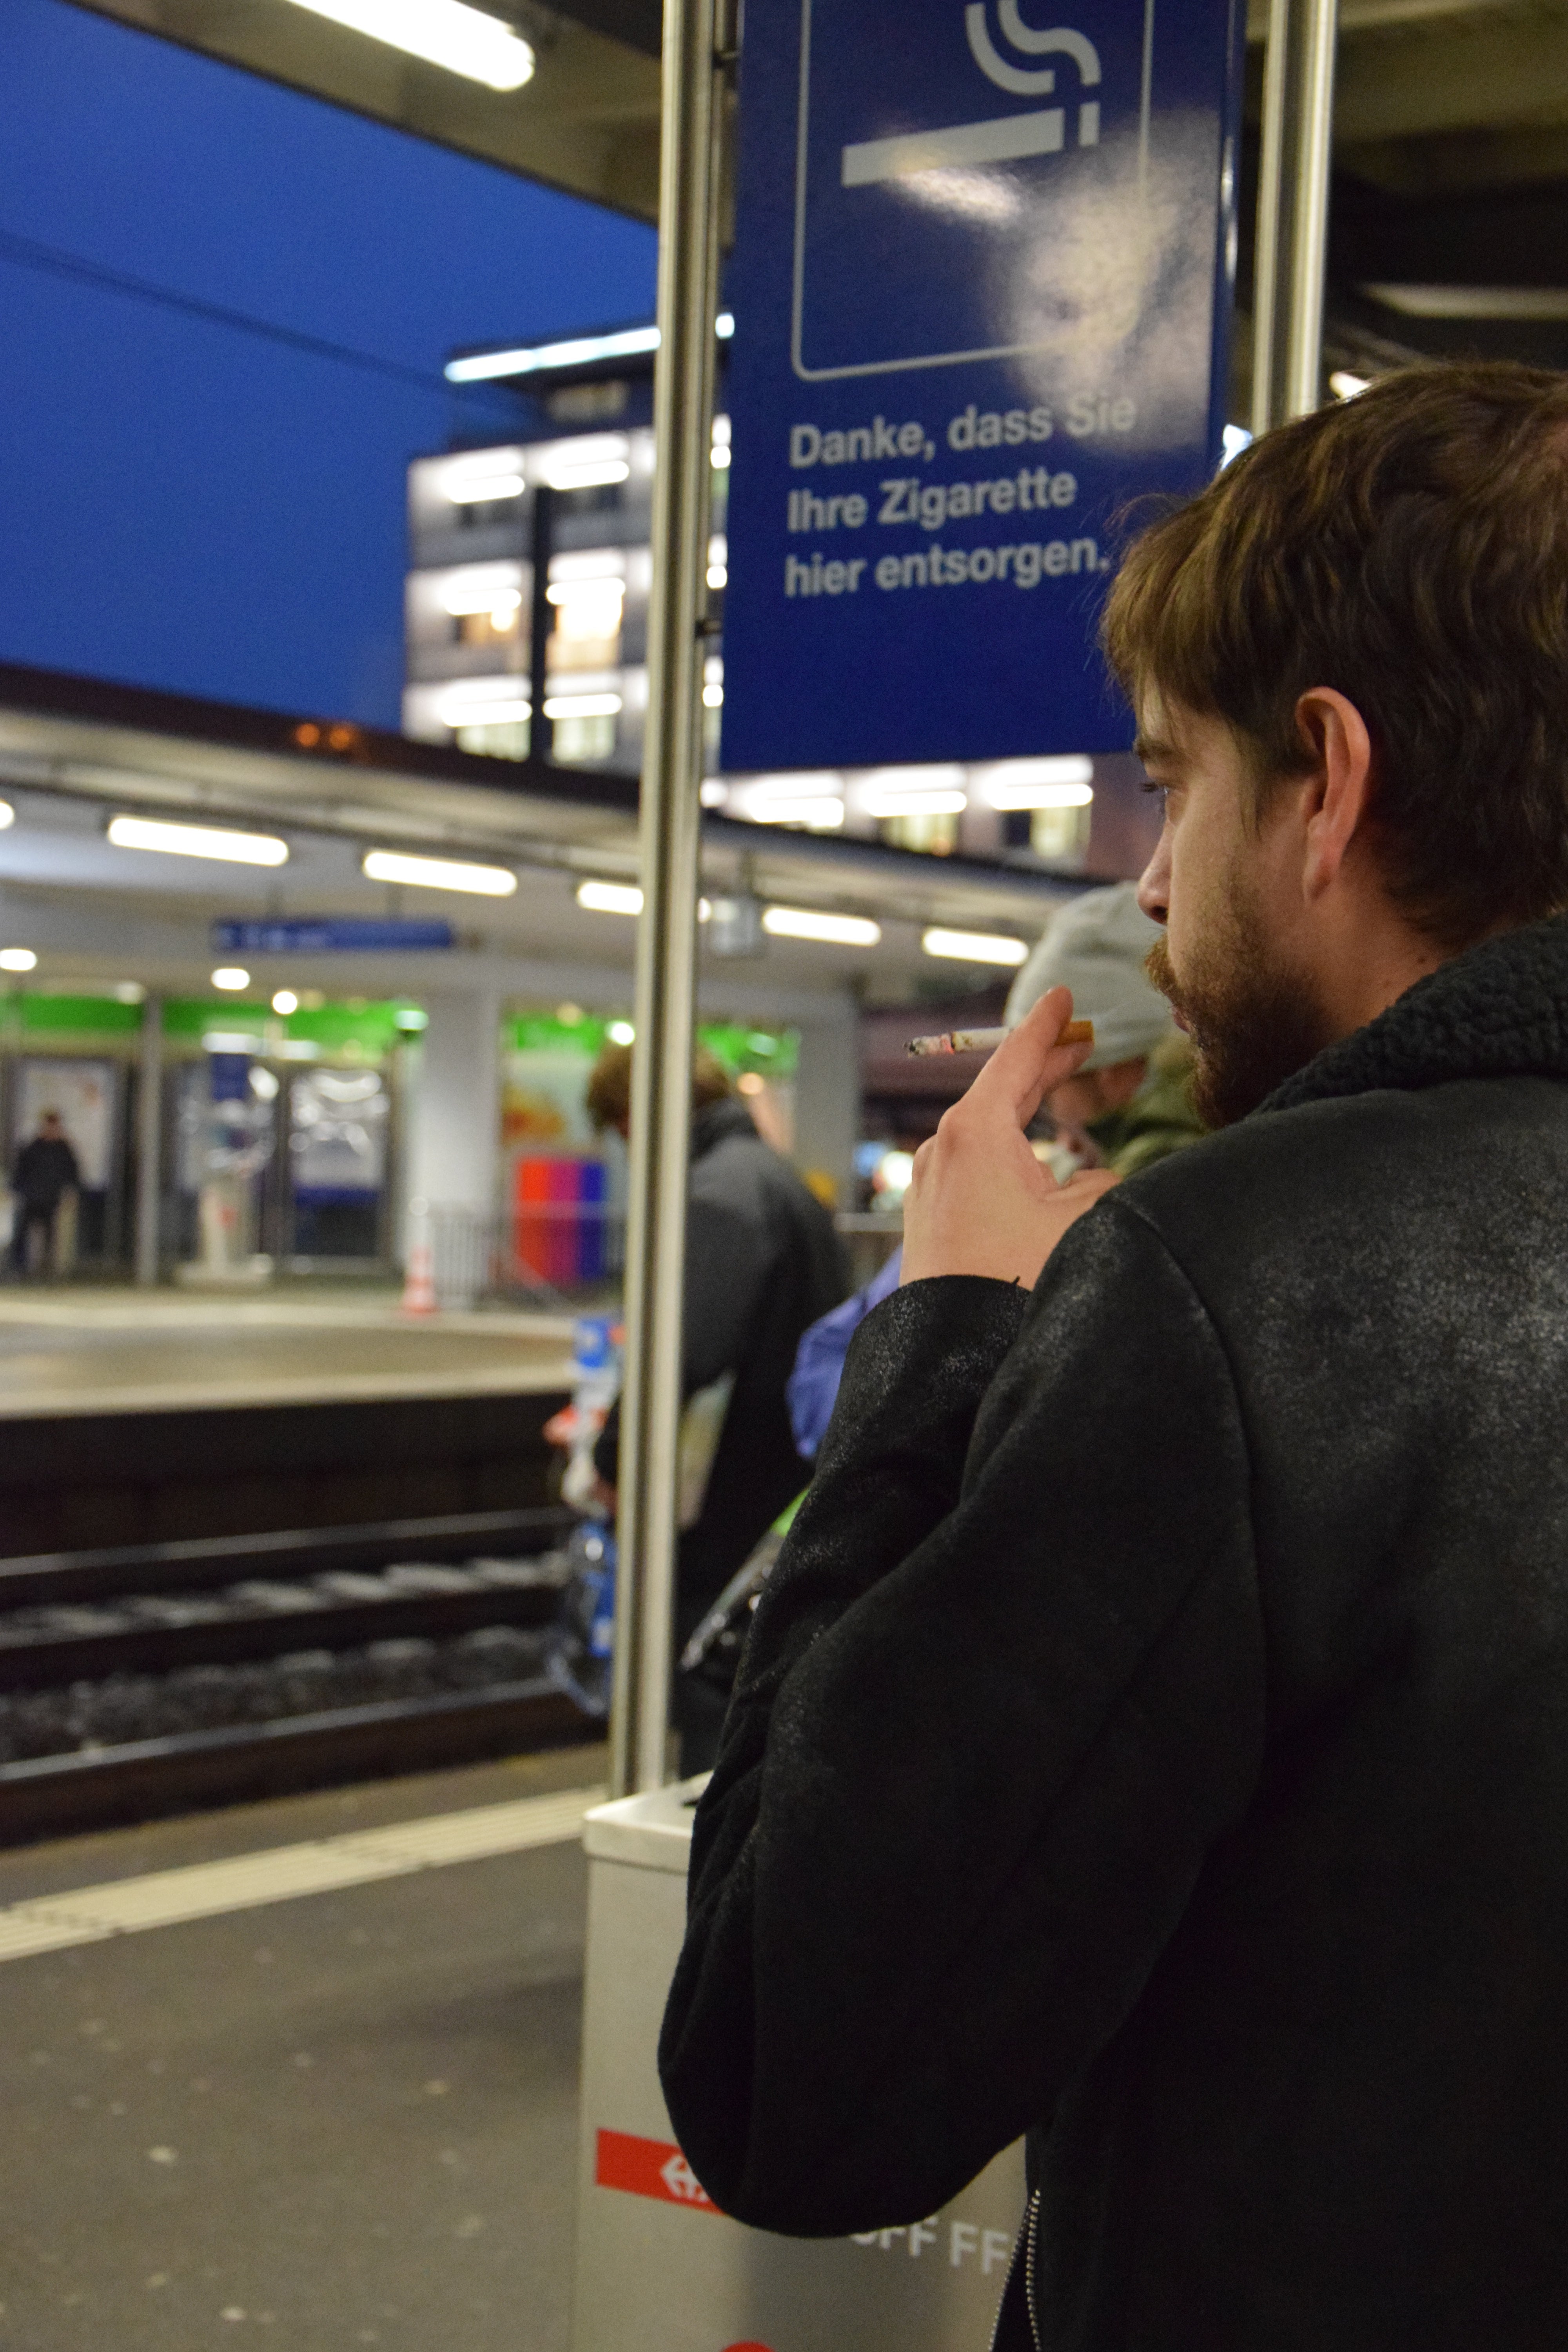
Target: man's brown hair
[(610, 1084), (1408, 548)]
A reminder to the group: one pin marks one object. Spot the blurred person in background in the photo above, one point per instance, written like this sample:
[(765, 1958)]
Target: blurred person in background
[(1130, 1103), (46, 1169), (1127, 1103), (1154, 1733), (762, 1261)]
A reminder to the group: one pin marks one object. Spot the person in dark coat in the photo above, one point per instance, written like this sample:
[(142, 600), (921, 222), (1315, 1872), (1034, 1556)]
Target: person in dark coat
[(762, 1261), (1154, 1735), (46, 1169)]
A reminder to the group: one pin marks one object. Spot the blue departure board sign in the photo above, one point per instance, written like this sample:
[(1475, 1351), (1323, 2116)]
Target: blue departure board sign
[(331, 934), (982, 293)]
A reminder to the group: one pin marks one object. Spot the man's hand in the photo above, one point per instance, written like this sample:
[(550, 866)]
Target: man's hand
[(980, 1203)]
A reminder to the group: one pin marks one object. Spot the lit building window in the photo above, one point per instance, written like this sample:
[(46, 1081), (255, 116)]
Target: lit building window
[(589, 600)]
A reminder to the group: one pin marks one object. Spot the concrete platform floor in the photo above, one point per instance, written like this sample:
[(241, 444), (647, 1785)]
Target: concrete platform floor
[(344, 2119), (71, 1350)]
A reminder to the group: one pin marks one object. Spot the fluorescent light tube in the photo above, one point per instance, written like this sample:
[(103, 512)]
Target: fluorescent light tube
[(478, 489), (581, 351), (481, 591), (896, 803), (938, 790), (593, 474), (835, 931), (581, 706), (442, 32), (821, 814), (1064, 781), (439, 873), (577, 352), (17, 960), (973, 947), (229, 976), (609, 897), (197, 841), (594, 589), (458, 711)]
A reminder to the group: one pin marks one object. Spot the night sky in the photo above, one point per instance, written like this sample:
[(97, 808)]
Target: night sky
[(188, 506)]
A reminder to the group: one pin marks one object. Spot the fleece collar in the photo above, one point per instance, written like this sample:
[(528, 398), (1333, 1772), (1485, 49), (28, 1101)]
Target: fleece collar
[(1499, 1011)]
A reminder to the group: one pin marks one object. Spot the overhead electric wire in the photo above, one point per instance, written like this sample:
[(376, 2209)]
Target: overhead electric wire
[(28, 254)]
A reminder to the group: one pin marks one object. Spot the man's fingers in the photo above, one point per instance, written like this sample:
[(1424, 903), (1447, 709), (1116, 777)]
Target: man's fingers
[(1030, 1061)]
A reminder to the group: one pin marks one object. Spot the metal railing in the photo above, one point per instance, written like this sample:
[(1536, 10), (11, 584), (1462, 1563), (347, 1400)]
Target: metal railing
[(565, 1254), (556, 1256)]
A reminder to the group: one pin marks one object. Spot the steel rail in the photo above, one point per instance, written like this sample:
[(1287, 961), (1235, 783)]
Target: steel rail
[(260, 1621), (194, 1563), (46, 1795)]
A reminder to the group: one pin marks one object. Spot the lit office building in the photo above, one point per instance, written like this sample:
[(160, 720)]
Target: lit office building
[(568, 501)]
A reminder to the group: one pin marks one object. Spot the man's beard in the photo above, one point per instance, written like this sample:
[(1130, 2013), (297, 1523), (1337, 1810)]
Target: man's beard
[(1252, 1022)]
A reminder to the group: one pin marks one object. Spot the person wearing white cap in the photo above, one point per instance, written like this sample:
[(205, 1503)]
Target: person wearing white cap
[(1128, 1104)]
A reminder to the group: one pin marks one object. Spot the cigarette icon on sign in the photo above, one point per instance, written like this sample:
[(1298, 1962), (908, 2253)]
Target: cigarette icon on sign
[(1004, 137)]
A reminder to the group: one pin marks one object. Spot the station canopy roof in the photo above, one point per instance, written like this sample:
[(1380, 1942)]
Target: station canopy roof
[(129, 749), (586, 121), (1450, 210)]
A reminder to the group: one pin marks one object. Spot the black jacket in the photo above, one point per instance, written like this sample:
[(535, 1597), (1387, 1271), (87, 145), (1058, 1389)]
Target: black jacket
[(46, 1170), (1156, 1731), (763, 1260)]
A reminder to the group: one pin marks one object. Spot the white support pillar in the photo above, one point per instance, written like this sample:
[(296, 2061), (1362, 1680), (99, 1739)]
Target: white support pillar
[(827, 1099), (453, 1135)]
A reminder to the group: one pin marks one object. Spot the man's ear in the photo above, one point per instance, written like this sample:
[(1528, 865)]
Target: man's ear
[(1339, 796)]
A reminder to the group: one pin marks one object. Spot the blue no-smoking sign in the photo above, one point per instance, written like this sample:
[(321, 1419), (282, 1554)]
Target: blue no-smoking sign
[(981, 290)]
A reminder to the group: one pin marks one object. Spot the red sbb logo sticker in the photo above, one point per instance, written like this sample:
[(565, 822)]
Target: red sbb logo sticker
[(653, 2168)]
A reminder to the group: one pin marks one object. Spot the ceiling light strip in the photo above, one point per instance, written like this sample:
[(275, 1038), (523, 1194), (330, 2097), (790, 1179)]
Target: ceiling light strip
[(446, 33), (439, 873), (581, 351), (197, 841)]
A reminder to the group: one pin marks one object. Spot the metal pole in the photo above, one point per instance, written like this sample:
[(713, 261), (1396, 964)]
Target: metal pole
[(1293, 211), (541, 614), (691, 127), (150, 1140)]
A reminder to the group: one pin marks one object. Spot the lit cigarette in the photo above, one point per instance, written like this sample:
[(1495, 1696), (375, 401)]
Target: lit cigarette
[(986, 1041)]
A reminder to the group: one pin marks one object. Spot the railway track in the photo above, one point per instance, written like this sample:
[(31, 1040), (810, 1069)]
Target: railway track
[(143, 1678)]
